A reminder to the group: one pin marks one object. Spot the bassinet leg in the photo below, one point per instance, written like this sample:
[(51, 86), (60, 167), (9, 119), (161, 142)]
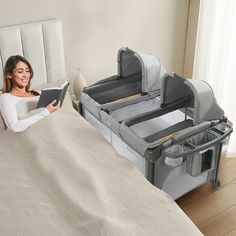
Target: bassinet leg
[(215, 181), (150, 172)]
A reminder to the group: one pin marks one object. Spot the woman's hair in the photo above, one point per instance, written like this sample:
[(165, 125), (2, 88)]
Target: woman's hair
[(8, 71)]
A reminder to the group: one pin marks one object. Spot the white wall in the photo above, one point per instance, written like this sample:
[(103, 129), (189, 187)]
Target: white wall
[(191, 38), (94, 30)]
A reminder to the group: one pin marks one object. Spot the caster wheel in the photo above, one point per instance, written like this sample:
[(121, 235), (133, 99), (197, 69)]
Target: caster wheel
[(215, 184)]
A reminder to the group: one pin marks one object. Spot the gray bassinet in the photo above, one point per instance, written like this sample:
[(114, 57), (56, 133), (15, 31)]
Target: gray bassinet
[(181, 155), (173, 130), (190, 102), (133, 91)]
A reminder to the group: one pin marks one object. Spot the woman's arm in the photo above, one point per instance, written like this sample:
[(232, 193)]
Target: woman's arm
[(10, 117)]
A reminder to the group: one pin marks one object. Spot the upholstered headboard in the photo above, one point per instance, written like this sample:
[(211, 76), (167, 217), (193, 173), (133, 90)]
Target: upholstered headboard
[(41, 43)]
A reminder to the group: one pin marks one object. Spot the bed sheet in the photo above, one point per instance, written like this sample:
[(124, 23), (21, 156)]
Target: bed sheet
[(61, 177)]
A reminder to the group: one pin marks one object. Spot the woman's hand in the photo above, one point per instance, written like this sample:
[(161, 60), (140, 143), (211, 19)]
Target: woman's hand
[(51, 108)]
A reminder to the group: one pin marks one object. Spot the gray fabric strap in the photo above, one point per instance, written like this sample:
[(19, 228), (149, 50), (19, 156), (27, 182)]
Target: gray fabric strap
[(157, 113), (170, 130)]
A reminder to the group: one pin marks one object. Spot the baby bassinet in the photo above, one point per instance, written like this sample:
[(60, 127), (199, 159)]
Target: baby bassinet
[(173, 130), (138, 82), (182, 154)]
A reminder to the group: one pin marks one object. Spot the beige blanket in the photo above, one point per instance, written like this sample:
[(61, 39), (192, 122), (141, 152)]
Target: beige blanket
[(60, 177)]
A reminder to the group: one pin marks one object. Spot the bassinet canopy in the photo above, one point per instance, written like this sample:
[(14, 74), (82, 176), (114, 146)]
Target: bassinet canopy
[(199, 94), (149, 66)]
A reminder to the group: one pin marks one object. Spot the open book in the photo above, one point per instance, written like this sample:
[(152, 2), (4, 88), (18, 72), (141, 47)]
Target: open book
[(49, 94)]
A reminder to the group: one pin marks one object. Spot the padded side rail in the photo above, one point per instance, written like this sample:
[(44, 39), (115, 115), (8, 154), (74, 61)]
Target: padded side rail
[(114, 77), (89, 89), (168, 131), (194, 130)]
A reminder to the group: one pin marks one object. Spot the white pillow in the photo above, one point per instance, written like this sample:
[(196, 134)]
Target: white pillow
[(78, 85)]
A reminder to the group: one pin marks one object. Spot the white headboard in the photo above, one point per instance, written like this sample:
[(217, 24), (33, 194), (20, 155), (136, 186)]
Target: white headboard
[(41, 43)]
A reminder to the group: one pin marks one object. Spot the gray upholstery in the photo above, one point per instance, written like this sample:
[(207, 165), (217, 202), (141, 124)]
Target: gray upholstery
[(202, 98), (41, 43), (130, 62)]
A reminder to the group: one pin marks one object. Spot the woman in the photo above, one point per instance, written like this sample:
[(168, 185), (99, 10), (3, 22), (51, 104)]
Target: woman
[(17, 100)]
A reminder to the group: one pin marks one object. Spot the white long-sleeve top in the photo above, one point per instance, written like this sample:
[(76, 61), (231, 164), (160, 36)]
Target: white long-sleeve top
[(16, 111)]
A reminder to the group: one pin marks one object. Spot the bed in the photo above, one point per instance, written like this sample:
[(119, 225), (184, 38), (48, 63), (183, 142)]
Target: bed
[(60, 176)]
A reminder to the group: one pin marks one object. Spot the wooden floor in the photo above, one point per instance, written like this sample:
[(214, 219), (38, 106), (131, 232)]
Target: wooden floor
[(214, 211)]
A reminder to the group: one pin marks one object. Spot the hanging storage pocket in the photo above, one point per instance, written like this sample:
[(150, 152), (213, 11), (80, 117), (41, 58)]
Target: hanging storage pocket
[(199, 150), (201, 160), (223, 129), (174, 149)]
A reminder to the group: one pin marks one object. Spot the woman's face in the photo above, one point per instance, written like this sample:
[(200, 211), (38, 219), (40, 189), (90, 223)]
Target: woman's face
[(21, 75)]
